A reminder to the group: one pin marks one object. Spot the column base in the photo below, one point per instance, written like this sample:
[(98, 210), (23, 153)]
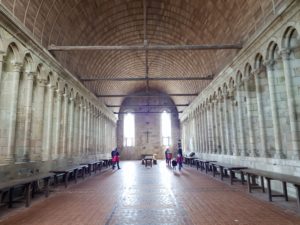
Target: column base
[(296, 156), (9, 159), (280, 156)]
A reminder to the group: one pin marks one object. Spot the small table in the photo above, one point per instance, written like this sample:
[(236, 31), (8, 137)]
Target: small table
[(148, 160)]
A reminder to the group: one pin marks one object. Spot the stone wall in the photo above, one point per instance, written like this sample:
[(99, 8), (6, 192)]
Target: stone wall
[(48, 119), (250, 114), (148, 139)]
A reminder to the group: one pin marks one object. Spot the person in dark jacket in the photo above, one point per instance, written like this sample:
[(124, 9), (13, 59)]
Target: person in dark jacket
[(179, 158)]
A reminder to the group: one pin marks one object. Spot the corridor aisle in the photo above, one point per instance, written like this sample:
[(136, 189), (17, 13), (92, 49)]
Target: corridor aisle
[(138, 195)]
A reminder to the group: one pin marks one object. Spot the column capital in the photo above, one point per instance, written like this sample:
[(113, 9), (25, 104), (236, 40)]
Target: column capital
[(59, 92), (16, 67), (270, 63), (285, 53), (41, 81), (29, 75)]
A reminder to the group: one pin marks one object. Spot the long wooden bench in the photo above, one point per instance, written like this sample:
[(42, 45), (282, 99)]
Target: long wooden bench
[(28, 183), (269, 176), (66, 173), (224, 167), (203, 164)]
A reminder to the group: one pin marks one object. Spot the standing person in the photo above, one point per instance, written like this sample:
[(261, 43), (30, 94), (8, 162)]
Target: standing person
[(179, 158), (167, 152), (115, 155)]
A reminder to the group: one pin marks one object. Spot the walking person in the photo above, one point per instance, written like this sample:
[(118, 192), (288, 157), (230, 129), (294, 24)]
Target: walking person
[(115, 155), (179, 159)]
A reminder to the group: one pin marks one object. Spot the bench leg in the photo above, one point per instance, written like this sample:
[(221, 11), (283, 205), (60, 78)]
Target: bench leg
[(249, 183), (222, 172), (243, 177), (285, 191), (10, 197), (75, 175), (298, 194), (66, 178), (269, 188), (232, 176), (262, 184), (46, 183), (27, 194)]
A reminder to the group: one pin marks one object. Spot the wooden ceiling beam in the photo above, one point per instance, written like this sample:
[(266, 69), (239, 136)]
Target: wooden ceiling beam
[(145, 112), (143, 47), (210, 77), (145, 96), (175, 105)]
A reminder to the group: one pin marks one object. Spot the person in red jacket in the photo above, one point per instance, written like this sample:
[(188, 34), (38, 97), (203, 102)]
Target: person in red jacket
[(115, 155)]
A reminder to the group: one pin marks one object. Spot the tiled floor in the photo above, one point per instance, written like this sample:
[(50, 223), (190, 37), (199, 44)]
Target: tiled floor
[(157, 195)]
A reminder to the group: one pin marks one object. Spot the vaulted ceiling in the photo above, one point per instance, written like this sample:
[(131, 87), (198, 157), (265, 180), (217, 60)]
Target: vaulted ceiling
[(124, 22)]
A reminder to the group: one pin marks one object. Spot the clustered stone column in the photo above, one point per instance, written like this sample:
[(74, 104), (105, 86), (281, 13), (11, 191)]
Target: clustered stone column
[(54, 124), (257, 117)]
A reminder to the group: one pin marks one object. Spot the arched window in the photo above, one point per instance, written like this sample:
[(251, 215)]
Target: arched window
[(129, 131), (166, 128)]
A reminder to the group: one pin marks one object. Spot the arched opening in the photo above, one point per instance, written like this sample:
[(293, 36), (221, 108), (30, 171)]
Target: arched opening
[(148, 122), (129, 130), (166, 129)]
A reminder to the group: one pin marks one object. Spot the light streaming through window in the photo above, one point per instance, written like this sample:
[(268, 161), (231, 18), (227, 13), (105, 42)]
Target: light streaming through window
[(129, 131), (166, 128)]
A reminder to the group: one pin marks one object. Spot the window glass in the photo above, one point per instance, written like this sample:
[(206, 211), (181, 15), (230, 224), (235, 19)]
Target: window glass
[(129, 131)]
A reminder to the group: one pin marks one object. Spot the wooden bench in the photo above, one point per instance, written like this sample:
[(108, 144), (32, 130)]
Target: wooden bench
[(269, 176), (188, 160), (28, 183), (66, 173), (106, 162), (204, 164), (224, 167), (93, 166)]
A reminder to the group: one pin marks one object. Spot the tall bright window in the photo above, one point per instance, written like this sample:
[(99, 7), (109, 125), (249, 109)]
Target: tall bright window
[(166, 128), (129, 131)]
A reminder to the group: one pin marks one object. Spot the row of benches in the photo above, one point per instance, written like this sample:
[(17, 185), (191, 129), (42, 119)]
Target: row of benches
[(230, 170), (29, 186)]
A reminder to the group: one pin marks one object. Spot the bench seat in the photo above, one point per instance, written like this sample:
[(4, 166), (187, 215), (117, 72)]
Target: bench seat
[(28, 182), (268, 175)]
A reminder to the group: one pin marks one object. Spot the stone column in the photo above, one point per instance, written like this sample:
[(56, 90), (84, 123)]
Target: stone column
[(227, 135), (59, 93), (212, 124), (71, 128), (285, 54), (241, 122), (249, 118), (28, 115), (14, 75), (203, 130), (65, 126), (234, 145), (38, 124), (209, 129), (216, 128), (84, 131), (198, 130), (1, 63), (260, 113), (277, 138), (48, 125), (206, 129), (80, 129), (222, 136), (88, 127)]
